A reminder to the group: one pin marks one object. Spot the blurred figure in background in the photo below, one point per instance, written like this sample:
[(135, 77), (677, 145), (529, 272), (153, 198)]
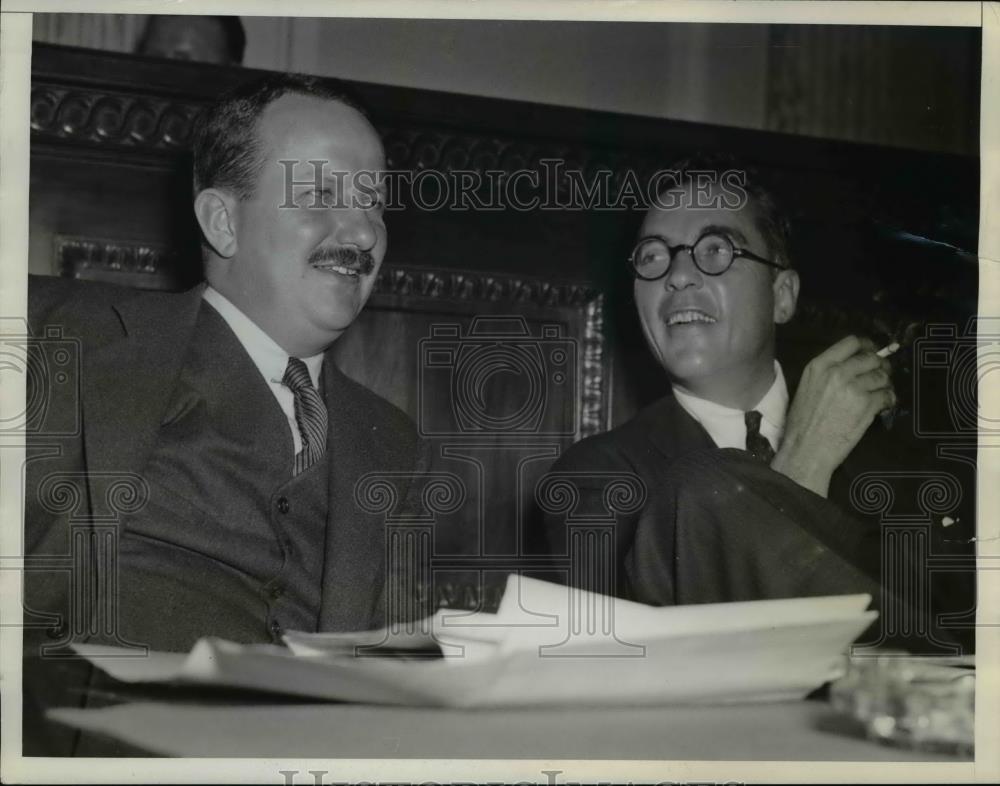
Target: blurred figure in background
[(207, 39)]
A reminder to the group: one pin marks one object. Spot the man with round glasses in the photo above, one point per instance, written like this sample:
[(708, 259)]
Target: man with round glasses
[(747, 488)]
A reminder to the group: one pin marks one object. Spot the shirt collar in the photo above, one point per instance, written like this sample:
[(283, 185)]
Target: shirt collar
[(726, 425), (774, 406), (263, 350)]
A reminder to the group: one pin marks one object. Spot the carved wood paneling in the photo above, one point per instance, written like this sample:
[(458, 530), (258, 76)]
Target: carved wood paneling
[(119, 119), (111, 118), (79, 257)]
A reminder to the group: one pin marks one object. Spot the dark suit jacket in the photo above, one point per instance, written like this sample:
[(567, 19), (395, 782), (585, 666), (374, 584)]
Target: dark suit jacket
[(103, 364), (130, 346), (706, 530)]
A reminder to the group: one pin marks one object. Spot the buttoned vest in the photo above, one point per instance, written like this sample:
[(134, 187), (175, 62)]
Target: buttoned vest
[(229, 543)]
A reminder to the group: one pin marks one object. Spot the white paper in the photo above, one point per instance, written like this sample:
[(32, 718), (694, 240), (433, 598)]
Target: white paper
[(535, 652)]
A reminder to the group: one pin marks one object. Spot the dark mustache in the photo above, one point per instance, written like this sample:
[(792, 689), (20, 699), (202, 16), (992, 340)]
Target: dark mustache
[(362, 261)]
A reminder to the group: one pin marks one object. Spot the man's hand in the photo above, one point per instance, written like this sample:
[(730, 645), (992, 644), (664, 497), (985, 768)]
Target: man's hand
[(841, 391)]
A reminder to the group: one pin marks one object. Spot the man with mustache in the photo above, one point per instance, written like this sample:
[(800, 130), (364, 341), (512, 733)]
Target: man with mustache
[(747, 488), (221, 407)]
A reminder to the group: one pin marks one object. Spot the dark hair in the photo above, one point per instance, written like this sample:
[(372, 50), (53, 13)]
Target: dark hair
[(226, 147), (771, 220), (232, 29), (236, 37)]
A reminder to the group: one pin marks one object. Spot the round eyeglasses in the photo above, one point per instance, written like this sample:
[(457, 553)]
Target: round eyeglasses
[(713, 255)]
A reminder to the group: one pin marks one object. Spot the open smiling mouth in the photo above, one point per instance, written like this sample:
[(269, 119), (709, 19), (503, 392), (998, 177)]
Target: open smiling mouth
[(343, 261), (688, 317), (344, 271)]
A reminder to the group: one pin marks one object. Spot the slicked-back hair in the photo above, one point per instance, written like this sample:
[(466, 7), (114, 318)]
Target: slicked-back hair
[(771, 220), (226, 147)]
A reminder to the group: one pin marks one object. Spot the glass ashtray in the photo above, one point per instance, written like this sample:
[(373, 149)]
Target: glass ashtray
[(927, 703)]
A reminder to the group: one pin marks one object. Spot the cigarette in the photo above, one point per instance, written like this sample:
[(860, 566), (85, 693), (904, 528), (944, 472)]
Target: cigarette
[(888, 349)]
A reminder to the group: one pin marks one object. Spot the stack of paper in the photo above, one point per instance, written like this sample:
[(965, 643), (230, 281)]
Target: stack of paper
[(546, 645)]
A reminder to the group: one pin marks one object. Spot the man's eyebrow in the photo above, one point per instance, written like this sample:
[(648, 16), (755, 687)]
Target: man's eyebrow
[(733, 233), (729, 231)]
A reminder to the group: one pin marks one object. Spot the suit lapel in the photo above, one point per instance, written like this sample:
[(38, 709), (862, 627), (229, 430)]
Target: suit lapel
[(673, 431), (128, 380)]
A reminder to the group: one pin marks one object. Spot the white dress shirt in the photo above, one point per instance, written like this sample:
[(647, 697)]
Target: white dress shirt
[(727, 427), (270, 359)]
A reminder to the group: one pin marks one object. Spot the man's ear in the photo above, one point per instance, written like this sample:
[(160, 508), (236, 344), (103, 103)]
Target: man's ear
[(786, 295), (216, 213)]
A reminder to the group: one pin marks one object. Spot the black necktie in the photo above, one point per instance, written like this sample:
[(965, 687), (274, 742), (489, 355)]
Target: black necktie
[(757, 444), (310, 414)]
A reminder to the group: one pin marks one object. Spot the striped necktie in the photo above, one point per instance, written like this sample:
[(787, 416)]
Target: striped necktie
[(757, 444), (310, 414)]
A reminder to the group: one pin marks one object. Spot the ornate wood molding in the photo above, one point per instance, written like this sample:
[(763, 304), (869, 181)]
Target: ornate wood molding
[(78, 256), (84, 257), (118, 119), (429, 148), (482, 287), (115, 119), (595, 398)]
